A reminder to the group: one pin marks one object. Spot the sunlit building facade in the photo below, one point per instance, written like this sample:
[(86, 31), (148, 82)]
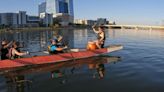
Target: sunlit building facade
[(42, 8), (85, 22), (59, 6), (52, 6), (46, 19), (62, 9), (70, 9)]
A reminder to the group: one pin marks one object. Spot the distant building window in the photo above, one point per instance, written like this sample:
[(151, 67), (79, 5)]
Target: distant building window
[(63, 7)]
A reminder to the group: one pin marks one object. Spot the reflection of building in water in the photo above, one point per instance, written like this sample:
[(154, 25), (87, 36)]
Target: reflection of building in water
[(17, 36), (111, 33), (44, 39), (74, 38), (91, 35), (78, 39)]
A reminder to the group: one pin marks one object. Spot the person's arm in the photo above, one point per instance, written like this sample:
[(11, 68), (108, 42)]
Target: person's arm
[(93, 27), (9, 44), (60, 49), (60, 38), (19, 53)]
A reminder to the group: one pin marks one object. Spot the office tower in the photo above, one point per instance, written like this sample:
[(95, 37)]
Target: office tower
[(9, 19), (46, 18), (42, 7), (60, 6), (60, 9), (22, 19)]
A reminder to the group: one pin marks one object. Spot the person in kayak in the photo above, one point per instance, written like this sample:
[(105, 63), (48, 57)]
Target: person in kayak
[(54, 49), (100, 36), (58, 39), (5, 49), (14, 52)]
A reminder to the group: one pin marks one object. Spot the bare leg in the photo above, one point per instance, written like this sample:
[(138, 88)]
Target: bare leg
[(97, 44)]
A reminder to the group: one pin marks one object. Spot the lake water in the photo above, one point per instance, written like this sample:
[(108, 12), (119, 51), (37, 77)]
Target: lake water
[(139, 67)]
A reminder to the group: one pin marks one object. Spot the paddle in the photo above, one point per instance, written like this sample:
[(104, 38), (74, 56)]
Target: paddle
[(69, 49)]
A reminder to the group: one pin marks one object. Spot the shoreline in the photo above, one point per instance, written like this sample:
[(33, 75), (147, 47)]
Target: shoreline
[(42, 28), (67, 27)]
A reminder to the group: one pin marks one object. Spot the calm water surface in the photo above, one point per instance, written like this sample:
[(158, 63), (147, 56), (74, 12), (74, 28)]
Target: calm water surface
[(139, 67)]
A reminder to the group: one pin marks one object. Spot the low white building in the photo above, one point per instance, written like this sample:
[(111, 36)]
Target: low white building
[(84, 22), (111, 22)]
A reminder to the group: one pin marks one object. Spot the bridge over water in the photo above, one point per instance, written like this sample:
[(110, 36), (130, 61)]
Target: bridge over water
[(135, 26)]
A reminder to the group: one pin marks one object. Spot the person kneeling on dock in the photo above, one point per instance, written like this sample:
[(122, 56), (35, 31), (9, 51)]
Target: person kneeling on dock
[(54, 49)]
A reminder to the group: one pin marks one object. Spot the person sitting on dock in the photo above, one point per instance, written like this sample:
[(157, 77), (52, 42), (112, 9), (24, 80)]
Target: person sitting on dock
[(54, 49), (14, 52), (4, 49), (100, 36)]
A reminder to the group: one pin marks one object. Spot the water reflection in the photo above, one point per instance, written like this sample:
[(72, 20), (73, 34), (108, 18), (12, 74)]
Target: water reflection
[(75, 38), (100, 71), (141, 69), (36, 41), (17, 82)]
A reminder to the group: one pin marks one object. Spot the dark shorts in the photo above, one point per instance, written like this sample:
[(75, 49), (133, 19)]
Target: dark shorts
[(102, 45)]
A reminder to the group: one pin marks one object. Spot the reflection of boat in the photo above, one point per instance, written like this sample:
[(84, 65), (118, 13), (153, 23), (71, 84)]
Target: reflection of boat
[(56, 58), (16, 79)]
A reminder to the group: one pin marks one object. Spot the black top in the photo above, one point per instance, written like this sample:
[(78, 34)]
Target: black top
[(4, 52)]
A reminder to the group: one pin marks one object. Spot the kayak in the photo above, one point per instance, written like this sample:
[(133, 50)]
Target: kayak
[(91, 62), (76, 54)]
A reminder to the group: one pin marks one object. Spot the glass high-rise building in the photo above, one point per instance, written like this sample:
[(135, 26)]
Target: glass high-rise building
[(51, 6), (22, 18), (42, 7), (9, 19), (63, 7), (60, 9), (59, 6), (70, 5)]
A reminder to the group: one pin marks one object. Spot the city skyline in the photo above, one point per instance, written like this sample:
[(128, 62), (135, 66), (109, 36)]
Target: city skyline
[(148, 12)]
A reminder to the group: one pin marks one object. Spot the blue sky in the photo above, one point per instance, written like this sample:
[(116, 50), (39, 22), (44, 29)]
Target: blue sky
[(150, 12)]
